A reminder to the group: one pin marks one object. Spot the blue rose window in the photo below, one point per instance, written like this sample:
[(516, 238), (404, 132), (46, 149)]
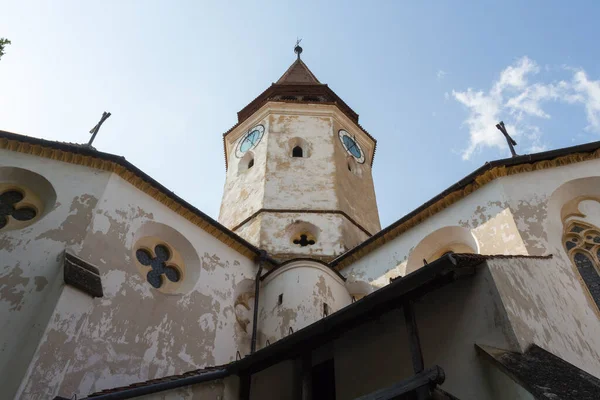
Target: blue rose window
[(158, 263), (9, 208)]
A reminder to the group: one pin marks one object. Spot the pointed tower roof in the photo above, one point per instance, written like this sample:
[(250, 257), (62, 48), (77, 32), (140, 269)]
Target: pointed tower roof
[(298, 85), (298, 73)]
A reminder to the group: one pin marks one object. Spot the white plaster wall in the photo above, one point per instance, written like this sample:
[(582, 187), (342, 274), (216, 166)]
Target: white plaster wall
[(243, 193), (483, 212), (134, 332), (278, 231), (31, 259), (547, 306), (305, 286), (300, 183), (506, 216), (318, 181)]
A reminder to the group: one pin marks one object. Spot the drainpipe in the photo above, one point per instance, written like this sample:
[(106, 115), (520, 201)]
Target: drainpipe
[(261, 261)]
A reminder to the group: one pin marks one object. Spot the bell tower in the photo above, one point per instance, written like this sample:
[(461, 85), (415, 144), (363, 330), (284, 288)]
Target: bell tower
[(299, 180)]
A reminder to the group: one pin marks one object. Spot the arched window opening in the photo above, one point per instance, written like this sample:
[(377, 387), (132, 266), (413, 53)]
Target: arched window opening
[(582, 243), (349, 167), (297, 152), (251, 163)]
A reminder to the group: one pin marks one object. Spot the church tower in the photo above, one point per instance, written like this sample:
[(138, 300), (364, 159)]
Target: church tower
[(299, 180)]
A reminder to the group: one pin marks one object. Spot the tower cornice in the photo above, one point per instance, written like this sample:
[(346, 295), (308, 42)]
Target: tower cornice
[(296, 108)]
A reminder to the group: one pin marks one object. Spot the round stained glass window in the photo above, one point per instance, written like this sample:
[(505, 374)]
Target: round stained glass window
[(249, 140), (351, 146)]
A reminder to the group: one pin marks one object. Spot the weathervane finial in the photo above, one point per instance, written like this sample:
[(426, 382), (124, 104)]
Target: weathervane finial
[(297, 48)]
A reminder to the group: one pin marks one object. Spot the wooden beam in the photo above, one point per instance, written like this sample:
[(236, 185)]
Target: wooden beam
[(413, 337), (425, 379), (414, 342)]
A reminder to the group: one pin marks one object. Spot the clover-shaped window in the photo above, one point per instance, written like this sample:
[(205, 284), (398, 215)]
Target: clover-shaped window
[(304, 239), (161, 261), (14, 206)]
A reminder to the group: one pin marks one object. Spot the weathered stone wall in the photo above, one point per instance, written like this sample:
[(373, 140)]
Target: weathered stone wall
[(134, 332)]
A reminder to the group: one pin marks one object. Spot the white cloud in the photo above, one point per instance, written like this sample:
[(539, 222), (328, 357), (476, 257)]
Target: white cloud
[(441, 74), (588, 92), (515, 100)]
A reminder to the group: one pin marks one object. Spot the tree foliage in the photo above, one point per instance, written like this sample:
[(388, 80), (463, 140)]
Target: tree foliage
[(3, 42)]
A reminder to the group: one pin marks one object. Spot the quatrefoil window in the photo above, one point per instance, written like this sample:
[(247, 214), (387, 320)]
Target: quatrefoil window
[(9, 207), (159, 264)]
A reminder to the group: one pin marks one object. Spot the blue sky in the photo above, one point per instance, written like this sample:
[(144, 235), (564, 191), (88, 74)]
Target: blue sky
[(428, 79)]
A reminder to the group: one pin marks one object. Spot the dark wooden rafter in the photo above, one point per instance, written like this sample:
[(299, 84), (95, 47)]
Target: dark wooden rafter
[(424, 379)]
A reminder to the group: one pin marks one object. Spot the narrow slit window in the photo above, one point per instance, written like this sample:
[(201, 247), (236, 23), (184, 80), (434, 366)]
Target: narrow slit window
[(349, 167), (325, 309), (297, 152), (251, 163), (280, 299)]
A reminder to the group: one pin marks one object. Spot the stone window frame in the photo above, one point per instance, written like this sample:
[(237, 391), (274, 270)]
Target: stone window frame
[(29, 200), (575, 241), (149, 243)]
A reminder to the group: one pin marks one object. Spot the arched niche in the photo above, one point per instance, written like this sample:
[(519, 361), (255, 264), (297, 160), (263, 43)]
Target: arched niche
[(454, 239), (35, 193), (247, 162), (299, 143), (183, 256), (573, 200), (303, 233)]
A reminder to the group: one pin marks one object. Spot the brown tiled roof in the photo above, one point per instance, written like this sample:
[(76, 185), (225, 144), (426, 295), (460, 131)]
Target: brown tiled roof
[(543, 374), (300, 83), (196, 372), (298, 72)]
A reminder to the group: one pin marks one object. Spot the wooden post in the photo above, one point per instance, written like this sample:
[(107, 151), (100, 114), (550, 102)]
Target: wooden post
[(415, 346), (306, 374), (245, 386)]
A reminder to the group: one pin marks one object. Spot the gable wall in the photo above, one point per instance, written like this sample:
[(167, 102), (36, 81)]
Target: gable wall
[(31, 259), (134, 332)]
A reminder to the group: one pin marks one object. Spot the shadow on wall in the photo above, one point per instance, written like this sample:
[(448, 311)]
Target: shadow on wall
[(454, 239)]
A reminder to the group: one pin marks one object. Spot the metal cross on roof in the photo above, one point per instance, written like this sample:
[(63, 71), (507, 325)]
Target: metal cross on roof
[(96, 128), (511, 142)]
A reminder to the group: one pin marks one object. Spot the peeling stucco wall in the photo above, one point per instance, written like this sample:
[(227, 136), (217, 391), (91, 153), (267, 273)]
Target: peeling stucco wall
[(484, 212), (134, 332), (31, 259), (305, 286), (546, 305)]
